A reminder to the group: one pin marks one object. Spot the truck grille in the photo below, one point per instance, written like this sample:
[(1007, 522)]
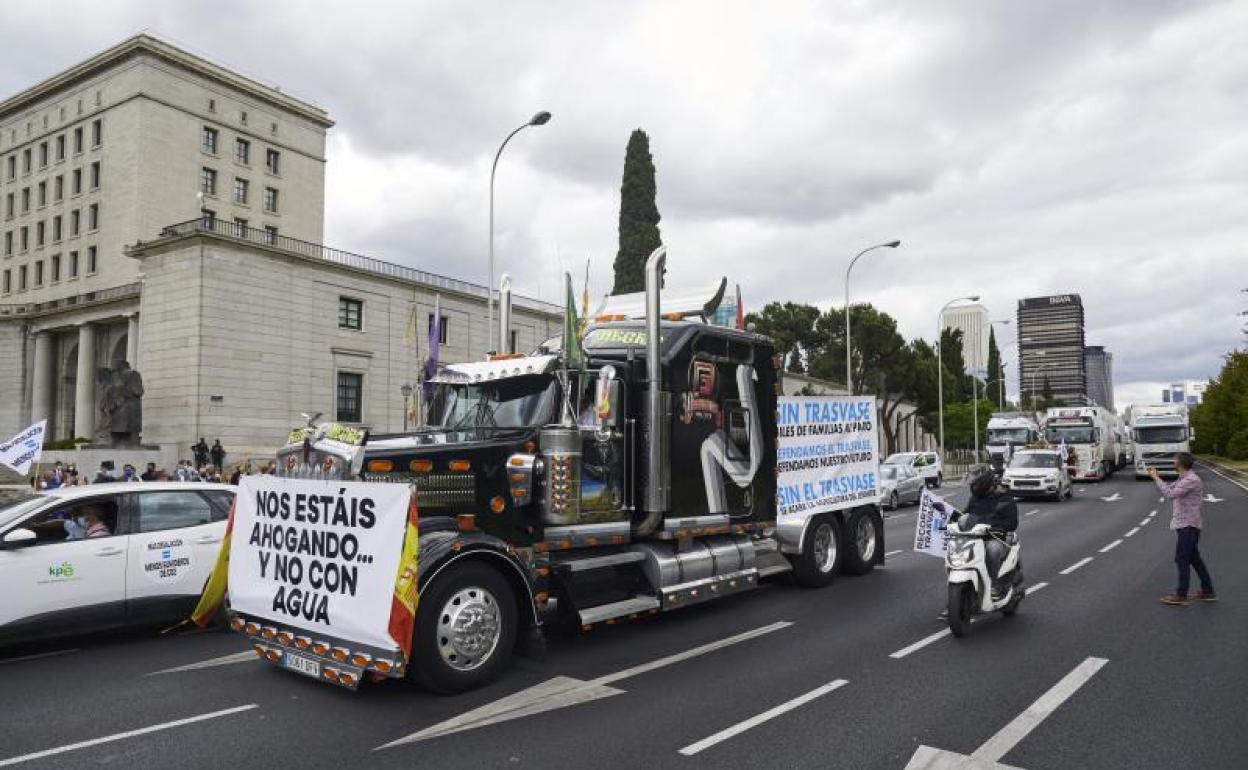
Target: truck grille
[(434, 490)]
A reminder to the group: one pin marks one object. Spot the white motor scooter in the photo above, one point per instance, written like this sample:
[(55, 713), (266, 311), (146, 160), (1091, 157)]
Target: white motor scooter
[(970, 584)]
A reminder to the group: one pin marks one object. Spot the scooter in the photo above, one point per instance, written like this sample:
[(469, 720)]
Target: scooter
[(970, 584)]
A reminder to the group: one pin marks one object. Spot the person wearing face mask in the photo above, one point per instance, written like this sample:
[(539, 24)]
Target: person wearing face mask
[(86, 523)]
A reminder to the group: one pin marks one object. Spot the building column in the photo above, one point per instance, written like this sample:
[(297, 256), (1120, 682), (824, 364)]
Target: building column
[(84, 390), (132, 340), (41, 378)]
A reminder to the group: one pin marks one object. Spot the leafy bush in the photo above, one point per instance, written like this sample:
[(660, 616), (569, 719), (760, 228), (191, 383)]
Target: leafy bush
[(66, 443)]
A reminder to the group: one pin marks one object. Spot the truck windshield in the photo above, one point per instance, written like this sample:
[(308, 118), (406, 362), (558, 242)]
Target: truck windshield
[(1033, 461), (1071, 434), (1008, 435), (516, 402), (1165, 434)]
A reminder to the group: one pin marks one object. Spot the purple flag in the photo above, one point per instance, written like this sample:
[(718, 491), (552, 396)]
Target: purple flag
[(435, 340)]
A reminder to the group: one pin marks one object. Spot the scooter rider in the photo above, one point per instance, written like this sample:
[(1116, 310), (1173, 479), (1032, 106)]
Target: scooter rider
[(996, 509)]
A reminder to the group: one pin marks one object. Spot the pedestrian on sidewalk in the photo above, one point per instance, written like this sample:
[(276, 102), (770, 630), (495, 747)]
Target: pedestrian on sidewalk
[(1187, 493)]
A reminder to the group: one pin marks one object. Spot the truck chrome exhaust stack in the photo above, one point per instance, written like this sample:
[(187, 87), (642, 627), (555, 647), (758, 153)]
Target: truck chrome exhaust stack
[(658, 402), (504, 314)]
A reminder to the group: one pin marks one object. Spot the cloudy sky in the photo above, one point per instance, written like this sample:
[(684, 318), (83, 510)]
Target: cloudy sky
[(1017, 149)]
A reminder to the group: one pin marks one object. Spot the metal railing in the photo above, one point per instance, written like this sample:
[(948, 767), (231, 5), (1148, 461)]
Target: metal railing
[(337, 256), (86, 299)]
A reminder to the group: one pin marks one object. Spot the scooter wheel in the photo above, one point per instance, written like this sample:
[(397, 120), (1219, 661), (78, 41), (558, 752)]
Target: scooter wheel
[(961, 596)]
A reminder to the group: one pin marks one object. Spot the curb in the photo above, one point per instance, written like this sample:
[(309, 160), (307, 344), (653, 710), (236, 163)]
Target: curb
[(1232, 475)]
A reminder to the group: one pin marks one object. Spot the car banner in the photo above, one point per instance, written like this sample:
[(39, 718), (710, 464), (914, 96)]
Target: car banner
[(321, 556), (930, 525), (827, 454), (24, 449)]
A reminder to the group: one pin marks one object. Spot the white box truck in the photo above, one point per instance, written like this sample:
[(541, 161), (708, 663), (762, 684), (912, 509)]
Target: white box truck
[(1159, 431), (1089, 430)]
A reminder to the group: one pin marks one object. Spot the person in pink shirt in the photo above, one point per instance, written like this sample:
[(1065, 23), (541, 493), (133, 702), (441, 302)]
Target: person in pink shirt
[(1186, 492)]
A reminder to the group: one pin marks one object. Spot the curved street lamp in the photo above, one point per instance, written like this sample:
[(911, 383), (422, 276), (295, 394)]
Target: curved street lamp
[(540, 119), (849, 372), (940, 368)]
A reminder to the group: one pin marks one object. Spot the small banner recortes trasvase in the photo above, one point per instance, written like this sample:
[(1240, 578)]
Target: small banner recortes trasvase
[(930, 524)]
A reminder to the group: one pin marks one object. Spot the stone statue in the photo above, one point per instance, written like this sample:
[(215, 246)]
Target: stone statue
[(119, 393)]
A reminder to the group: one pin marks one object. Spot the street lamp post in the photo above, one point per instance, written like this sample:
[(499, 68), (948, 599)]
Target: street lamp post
[(849, 372), (406, 390), (539, 119), (940, 378), (1034, 372)]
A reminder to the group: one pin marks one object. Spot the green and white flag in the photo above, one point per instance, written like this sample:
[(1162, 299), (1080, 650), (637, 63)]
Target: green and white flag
[(574, 356)]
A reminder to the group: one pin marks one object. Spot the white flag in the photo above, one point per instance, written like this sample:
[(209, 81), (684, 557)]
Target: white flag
[(24, 449), (929, 525)]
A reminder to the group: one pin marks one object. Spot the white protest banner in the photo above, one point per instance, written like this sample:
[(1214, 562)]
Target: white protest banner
[(318, 555), (929, 526), (21, 451), (826, 454)]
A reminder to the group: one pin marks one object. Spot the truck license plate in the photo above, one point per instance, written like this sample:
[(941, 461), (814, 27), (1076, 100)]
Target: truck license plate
[(301, 664)]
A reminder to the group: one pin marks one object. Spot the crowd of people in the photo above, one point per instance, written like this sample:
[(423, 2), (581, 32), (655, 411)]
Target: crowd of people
[(208, 465)]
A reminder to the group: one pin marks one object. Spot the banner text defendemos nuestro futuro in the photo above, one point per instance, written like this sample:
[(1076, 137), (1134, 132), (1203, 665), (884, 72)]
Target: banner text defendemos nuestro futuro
[(827, 452), (319, 555)]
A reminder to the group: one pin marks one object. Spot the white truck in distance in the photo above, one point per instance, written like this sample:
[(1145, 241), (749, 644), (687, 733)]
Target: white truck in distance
[(1008, 432), (1089, 430), (1159, 431)]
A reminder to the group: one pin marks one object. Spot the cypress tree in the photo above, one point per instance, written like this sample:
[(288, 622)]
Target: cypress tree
[(639, 216), (994, 367)]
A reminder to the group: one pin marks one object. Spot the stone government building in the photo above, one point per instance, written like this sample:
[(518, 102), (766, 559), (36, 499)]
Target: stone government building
[(163, 210)]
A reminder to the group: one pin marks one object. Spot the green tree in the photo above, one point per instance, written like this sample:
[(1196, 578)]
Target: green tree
[(639, 216), (960, 425), (1220, 422), (791, 326), (956, 381), (994, 368)]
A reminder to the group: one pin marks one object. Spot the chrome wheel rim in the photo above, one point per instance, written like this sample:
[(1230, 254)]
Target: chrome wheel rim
[(469, 628), (824, 547), (865, 538)]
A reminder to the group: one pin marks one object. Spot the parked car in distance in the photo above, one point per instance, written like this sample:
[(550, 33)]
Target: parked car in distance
[(80, 559), (1038, 473), (926, 464), (899, 485)]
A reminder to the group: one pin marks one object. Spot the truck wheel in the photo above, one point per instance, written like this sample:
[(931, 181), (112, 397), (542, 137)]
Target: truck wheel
[(864, 537), (465, 629), (821, 553)]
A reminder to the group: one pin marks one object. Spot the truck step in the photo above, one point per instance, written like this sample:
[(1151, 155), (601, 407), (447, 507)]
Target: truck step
[(598, 562), (772, 563), (632, 606)]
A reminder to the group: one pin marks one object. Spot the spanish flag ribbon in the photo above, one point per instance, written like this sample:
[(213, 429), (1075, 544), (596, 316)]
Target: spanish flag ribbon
[(406, 591), (214, 591)]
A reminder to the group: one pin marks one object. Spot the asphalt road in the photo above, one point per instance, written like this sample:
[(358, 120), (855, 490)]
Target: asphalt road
[(1092, 672)]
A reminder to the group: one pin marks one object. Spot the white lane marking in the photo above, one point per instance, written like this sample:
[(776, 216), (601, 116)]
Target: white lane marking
[(224, 660), (1076, 565), (766, 716), (1032, 589), (1032, 512), (37, 655), (1115, 497), (1236, 482), (1210, 498), (1009, 736), (1112, 546), (127, 734), (894, 553), (1131, 531), (1152, 513), (904, 651), (1144, 521), (563, 691)]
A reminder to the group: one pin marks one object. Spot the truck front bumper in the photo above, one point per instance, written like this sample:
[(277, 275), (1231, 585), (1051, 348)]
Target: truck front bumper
[(331, 660)]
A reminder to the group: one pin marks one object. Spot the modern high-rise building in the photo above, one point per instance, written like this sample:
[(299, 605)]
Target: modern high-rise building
[(972, 321), (1098, 363), (1050, 347), (1189, 392)]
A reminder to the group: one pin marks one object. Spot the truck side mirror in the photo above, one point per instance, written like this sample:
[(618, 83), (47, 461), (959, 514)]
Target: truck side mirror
[(18, 538), (607, 400)]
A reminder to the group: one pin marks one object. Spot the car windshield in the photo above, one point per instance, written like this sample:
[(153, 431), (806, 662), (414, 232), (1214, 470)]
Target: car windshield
[(1074, 434), (18, 505), (1033, 460), (904, 458), (1008, 435), (1166, 434), (516, 402)]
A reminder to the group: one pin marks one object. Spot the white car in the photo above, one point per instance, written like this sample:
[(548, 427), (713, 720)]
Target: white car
[(1038, 473), (926, 464), (147, 563), (899, 485)]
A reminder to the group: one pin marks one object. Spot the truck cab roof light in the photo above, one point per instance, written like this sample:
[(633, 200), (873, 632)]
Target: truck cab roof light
[(420, 466), (380, 466), (459, 465)]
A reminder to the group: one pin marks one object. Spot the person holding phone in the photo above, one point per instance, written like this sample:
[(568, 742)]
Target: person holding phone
[(1187, 492)]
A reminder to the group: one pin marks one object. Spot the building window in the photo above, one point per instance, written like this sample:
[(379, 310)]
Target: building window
[(270, 200), (60, 148), (350, 313), (97, 129), (350, 392), (73, 264), (75, 222), (56, 268), (26, 161), (58, 188), (8, 281), (8, 244), (76, 185), (78, 140), (8, 206), (43, 193), (442, 331), (210, 219), (43, 155), (273, 162), (240, 227), (270, 234), (25, 199), (12, 167), (95, 175), (242, 116), (38, 273), (212, 105), (91, 260), (39, 233), (56, 229), (242, 150), (240, 190), (93, 217), (208, 181), (24, 234), (21, 278), (208, 140)]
